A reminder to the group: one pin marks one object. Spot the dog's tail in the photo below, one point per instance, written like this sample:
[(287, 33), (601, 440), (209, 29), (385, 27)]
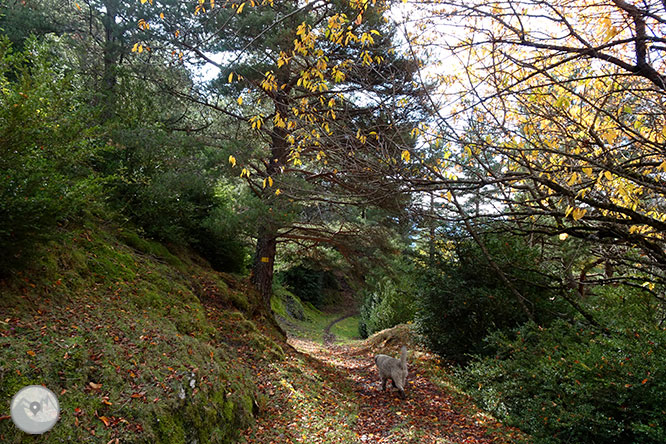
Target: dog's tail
[(403, 357)]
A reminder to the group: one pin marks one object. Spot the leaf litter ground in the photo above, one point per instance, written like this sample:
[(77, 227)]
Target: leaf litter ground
[(328, 393)]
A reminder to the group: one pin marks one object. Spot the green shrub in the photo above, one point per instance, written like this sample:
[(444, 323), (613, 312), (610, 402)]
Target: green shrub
[(167, 185), (386, 305), (45, 140), (570, 383), (218, 239), (388, 298), (309, 285), (461, 301)]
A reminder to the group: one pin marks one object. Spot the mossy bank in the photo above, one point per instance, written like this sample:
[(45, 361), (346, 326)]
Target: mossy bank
[(140, 343)]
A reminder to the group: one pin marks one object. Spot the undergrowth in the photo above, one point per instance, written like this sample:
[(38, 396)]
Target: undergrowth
[(115, 325)]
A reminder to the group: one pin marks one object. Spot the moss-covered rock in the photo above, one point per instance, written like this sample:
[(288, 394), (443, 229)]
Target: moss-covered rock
[(285, 304)]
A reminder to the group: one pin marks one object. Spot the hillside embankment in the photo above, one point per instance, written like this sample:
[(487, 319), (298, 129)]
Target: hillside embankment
[(146, 344)]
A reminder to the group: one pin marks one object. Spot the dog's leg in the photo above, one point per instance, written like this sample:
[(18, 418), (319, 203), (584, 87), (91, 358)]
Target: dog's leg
[(401, 387), (383, 384)]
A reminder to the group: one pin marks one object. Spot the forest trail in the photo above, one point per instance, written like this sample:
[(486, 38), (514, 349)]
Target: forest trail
[(328, 337), (428, 415), (345, 404)]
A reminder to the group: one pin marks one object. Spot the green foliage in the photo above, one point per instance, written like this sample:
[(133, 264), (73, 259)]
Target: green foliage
[(570, 383), (45, 142), (388, 299), (219, 236), (166, 183), (20, 20), (310, 285), (463, 300)]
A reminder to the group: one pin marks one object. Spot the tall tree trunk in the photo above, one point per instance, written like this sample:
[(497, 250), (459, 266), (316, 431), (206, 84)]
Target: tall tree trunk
[(264, 263), (111, 58), (431, 229), (264, 259)]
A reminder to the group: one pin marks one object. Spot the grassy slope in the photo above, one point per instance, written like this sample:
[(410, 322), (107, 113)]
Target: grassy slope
[(142, 345), (138, 344), (347, 330), (314, 321)]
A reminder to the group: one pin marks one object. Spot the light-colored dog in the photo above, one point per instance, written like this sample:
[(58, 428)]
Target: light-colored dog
[(393, 369)]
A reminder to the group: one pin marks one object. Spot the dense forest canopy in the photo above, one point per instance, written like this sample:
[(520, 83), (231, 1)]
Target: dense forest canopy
[(491, 171)]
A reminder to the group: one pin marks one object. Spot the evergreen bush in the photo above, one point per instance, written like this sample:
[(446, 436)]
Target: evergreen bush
[(388, 300), (570, 383), (45, 142), (462, 300)]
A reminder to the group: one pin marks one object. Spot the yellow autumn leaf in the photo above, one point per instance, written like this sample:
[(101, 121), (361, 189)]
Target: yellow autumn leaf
[(245, 173), (270, 181), (588, 171), (77, 6), (578, 213), (231, 77), (405, 155), (232, 161), (135, 47), (240, 8), (610, 136), (277, 192), (608, 175), (573, 179), (162, 15), (239, 100)]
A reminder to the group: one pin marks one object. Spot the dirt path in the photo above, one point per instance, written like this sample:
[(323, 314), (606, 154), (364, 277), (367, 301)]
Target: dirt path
[(428, 415), (329, 393), (328, 337)]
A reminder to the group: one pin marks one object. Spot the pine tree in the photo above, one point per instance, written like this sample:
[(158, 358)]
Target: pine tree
[(328, 102)]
